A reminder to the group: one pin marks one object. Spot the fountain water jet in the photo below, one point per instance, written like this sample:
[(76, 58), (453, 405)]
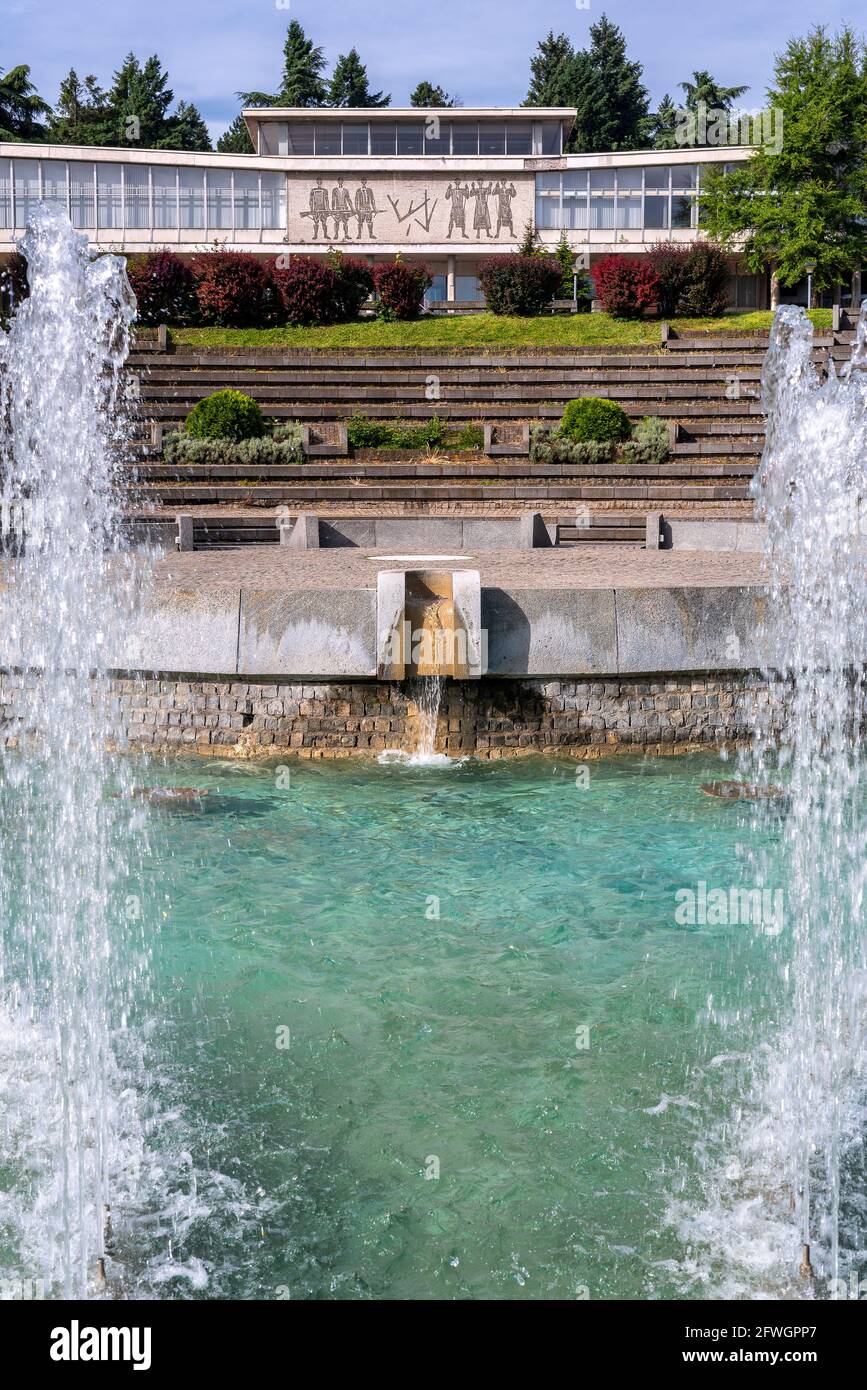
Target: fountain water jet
[(65, 981)]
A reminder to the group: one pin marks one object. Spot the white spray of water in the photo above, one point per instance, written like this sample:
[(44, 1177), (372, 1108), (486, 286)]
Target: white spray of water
[(69, 958), (800, 1119)]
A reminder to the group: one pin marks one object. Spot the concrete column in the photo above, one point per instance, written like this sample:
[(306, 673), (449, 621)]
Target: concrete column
[(450, 288), (856, 291), (185, 540)]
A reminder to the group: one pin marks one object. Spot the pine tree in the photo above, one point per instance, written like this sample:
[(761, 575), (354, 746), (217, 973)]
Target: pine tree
[(551, 72), (303, 64), (140, 98), (566, 256), (186, 130), (22, 110), (236, 140), (705, 89), (349, 84), (83, 115), (529, 244), (426, 95), (607, 90), (661, 125)]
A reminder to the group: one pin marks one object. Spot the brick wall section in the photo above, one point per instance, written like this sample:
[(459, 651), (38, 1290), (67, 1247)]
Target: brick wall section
[(487, 719)]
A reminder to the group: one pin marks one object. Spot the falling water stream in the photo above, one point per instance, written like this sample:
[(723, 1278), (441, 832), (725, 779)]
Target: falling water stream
[(70, 955)]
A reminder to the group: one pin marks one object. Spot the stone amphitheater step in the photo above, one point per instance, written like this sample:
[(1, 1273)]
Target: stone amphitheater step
[(527, 493)]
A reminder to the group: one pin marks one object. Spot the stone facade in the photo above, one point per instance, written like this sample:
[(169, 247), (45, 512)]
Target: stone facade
[(485, 719)]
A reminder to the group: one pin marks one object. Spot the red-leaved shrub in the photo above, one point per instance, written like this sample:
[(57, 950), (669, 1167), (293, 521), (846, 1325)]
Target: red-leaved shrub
[(706, 287), (670, 261), (316, 291), (307, 289), (235, 290), (626, 286), (164, 287), (518, 284), (401, 288)]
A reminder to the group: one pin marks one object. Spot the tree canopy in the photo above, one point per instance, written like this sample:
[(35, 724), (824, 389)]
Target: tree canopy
[(601, 82), (349, 85), (426, 94), (22, 110), (803, 194)]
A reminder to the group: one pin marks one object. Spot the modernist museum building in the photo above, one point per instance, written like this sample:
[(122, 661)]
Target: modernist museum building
[(448, 186)]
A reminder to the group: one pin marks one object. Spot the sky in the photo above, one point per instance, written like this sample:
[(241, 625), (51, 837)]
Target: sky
[(477, 49)]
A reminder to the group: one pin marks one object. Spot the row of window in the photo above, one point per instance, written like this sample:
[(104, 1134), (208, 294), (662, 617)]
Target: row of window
[(431, 136), (115, 197), (657, 197)]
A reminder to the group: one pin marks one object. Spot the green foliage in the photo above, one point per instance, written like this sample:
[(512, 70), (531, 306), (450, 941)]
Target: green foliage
[(803, 196), (705, 91), (134, 112), (602, 84), (379, 434), (594, 419), (649, 442), (530, 244), (303, 65), (236, 139), (22, 110), (225, 415), (549, 446), (426, 95), (349, 83), (281, 446), (470, 437)]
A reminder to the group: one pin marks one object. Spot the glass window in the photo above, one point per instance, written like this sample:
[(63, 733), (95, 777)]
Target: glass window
[(137, 194), (26, 189), (575, 181), (383, 137), (548, 183), (657, 176), (437, 135), (684, 176), (247, 199), (355, 138), (109, 195), (656, 211), (629, 210), (410, 138), (519, 137), (81, 195), (273, 138), (574, 211), (465, 138), (54, 182), (299, 140), (552, 141), (193, 198), (629, 180), (273, 201), (682, 211), (327, 136), (165, 195), (437, 290), (601, 214), (5, 194), (492, 137), (468, 287), (220, 199), (601, 179)]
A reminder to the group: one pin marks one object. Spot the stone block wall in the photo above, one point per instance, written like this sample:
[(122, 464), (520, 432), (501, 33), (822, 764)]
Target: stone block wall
[(486, 719)]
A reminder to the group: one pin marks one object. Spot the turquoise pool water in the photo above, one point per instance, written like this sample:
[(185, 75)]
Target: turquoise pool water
[(504, 1069)]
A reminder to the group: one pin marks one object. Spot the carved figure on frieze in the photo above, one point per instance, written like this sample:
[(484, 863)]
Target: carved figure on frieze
[(341, 209), (504, 193), (482, 214), (457, 194), (366, 209), (319, 209)]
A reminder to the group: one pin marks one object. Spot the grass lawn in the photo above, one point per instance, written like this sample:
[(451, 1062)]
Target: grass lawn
[(479, 330)]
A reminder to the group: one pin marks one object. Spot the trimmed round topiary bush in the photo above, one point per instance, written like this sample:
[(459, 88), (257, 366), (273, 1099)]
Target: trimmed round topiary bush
[(591, 419), (235, 290), (226, 415), (164, 287)]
